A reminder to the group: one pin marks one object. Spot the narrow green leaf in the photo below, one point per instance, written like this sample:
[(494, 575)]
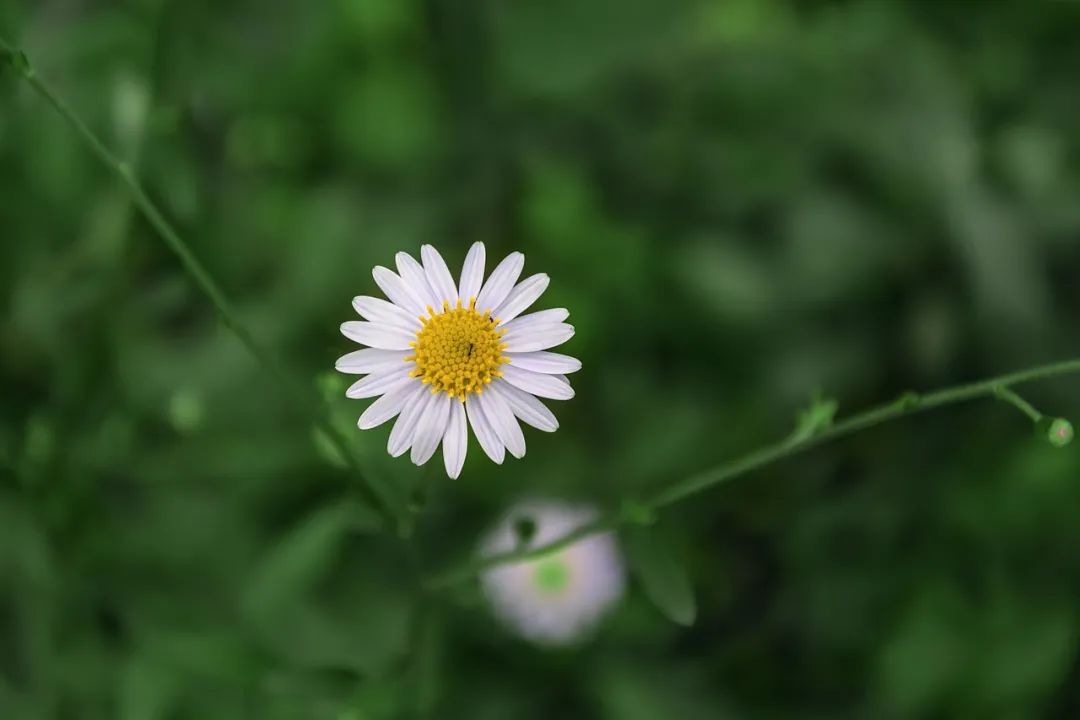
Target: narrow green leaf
[(295, 564), (664, 580), (326, 448), (815, 419), (428, 656)]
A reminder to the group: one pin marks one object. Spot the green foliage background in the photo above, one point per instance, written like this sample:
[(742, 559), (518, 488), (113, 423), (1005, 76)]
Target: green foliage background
[(742, 203)]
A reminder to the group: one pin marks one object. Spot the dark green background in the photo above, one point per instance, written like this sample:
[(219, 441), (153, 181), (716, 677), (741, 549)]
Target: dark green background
[(742, 203)]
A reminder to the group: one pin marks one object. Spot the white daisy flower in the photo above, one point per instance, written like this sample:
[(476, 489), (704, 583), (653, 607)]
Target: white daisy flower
[(442, 354), (558, 598)]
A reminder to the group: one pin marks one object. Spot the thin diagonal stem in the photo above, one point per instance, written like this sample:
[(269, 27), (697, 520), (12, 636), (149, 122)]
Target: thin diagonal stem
[(377, 492), (908, 404), (1006, 395)]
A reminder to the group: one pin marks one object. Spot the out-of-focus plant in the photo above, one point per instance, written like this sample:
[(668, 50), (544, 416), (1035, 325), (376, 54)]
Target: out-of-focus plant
[(815, 425)]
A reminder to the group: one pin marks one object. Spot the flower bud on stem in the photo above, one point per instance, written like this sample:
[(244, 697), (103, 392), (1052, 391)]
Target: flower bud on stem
[(1058, 431)]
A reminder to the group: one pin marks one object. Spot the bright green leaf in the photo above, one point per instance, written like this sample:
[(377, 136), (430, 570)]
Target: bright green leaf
[(815, 419)]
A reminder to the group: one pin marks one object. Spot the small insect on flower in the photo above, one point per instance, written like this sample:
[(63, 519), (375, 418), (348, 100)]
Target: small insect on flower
[(442, 354), (556, 599)]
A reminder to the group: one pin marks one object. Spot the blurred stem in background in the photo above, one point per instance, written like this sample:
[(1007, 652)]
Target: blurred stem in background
[(1004, 394), (378, 493), (1058, 432)]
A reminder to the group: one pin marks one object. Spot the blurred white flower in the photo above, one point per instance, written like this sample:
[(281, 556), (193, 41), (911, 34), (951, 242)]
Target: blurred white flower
[(556, 599), (480, 359)]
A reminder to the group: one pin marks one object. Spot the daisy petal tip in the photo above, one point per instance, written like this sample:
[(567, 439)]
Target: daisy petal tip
[(565, 394)]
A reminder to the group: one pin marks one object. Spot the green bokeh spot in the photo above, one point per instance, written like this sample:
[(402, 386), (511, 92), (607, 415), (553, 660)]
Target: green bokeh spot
[(185, 411), (551, 576)]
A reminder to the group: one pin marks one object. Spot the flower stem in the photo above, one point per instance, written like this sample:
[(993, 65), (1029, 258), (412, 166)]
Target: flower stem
[(907, 404), (377, 493)]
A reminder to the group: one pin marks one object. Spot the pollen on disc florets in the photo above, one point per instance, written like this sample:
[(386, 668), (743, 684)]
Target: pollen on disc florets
[(458, 351)]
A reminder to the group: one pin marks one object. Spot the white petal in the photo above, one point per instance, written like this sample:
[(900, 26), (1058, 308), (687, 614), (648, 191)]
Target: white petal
[(545, 362), (381, 311), (438, 275), (398, 291), (379, 383), (525, 406), (401, 437), (537, 319), (540, 338), (385, 407), (546, 386), (472, 273), (377, 335), (456, 440), (498, 413), (485, 433), (413, 275), (524, 294), (430, 429), (370, 360), (500, 283)]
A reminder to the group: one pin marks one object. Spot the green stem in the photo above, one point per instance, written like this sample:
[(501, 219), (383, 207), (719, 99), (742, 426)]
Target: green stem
[(378, 493), (908, 404), (1006, 395)]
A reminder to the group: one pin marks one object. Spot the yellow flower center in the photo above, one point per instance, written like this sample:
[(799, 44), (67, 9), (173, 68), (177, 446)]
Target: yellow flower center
[(458, 351)]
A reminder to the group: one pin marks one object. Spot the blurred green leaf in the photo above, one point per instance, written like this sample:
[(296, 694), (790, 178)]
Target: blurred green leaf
[(290, 569), (148, 691), (815, 419), (427, 661), (664, 581), (327, 449)]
